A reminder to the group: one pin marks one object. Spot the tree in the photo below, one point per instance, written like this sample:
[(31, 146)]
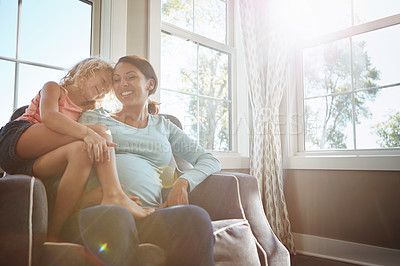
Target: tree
[(179, 12), (389, 132), (212, 79), (211, 122), (333, 77)]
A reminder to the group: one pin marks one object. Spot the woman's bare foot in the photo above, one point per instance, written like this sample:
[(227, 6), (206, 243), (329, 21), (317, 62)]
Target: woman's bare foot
[(124, 201)]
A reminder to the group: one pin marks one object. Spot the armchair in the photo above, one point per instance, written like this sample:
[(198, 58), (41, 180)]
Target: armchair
[(231, 199)]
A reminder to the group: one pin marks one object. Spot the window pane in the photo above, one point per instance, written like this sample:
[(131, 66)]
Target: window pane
[(8, 28), (209, 16), (184, 107), (32, 79), (376, 56), (210, 19), (213, 73), (59, 36), (214, 124), (379, 119), (368, 10), (178, 64), (178, 12), (327, 69), (7, 90), (328, 123), (316, 17)]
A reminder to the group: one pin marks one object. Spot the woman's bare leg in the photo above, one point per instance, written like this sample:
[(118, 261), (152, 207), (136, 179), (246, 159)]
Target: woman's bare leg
[(72, 162)]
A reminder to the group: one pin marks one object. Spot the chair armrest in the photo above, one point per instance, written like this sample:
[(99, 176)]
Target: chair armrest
[(236, 196), (218, 195), (23, 220)]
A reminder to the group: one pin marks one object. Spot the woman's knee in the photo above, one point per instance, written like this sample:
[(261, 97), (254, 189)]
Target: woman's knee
[(201, 216), (108, 222), (196, 217), (196, 212), (192, 234), (110, 227), (109, 215)]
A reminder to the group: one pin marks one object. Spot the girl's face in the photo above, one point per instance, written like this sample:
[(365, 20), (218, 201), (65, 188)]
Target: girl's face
[(96, 87), (130, 85)]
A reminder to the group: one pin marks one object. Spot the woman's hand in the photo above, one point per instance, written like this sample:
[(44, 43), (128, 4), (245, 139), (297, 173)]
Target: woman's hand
[(98, 146), (178, 194), (136, 199)]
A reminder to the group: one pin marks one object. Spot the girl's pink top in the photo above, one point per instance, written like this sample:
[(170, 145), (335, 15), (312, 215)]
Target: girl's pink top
[(65, 106)]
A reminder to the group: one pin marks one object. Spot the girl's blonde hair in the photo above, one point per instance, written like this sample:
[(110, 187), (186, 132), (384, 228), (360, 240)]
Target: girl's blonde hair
[(83, 71)]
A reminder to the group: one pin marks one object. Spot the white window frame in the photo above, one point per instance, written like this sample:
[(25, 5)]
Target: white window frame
[(94, 46), (238, 157), (296, 157)]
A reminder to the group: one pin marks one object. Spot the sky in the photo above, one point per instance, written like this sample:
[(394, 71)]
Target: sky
[(40, 41)]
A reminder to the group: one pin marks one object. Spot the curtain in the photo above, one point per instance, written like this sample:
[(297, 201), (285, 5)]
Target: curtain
[(266, 57)]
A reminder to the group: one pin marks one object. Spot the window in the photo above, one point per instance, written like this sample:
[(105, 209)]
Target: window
[(38, 44), (196, 69), (347, 81), (350, 82)]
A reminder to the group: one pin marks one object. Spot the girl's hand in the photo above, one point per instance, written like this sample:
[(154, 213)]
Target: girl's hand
[(98, 146)]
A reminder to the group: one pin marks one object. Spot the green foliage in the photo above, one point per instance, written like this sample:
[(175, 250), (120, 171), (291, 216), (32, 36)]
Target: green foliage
[(333, 77), (211, 115), (212, 80), (178, 9), (389, 132)]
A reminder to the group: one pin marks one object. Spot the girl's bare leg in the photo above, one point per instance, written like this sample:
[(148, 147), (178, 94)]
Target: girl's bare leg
[(94, 197), (111, 187), (72, 162), (38, 139)]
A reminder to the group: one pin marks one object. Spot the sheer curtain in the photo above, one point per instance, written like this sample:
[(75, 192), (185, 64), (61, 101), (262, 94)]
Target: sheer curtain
[(266, 57)]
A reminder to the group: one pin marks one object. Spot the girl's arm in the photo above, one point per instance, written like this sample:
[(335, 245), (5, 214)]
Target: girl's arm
[(53, 119)]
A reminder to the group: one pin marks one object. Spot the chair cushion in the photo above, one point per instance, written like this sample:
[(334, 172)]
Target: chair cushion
[(234, 243)]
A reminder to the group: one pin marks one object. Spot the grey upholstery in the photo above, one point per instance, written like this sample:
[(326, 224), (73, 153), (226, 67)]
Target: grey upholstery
[(24, 216), (23, 220)]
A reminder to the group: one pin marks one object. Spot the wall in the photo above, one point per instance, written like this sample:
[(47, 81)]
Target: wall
[(354, 206), (137, 28)]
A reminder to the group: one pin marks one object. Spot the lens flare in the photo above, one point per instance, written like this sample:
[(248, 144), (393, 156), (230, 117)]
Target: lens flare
[(103, 248), (165, 176)]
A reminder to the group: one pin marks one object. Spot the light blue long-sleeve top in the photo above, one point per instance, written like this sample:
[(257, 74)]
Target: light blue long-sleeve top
[(142, 154)]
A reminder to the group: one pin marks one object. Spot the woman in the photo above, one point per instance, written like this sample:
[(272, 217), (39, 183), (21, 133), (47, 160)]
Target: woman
[(145, 145)]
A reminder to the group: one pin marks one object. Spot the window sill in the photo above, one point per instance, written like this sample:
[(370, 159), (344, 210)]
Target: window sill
[(232, 160), (381, 162)]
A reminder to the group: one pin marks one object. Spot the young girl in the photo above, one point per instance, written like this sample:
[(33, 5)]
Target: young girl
[(47, 141)]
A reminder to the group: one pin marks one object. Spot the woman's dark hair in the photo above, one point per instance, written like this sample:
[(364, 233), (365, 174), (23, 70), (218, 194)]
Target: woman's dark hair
[(148, 71)]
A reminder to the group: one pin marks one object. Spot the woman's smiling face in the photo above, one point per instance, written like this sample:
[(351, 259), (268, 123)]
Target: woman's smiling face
[(130, 85)]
